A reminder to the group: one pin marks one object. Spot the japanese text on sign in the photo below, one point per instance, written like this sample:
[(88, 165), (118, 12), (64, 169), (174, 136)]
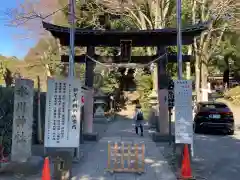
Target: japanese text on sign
[(22, 120), (22, 93), (75, 108), (183, 111), (63, 112)]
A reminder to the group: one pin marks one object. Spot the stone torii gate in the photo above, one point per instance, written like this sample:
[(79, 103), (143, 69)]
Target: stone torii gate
[(160, 38)]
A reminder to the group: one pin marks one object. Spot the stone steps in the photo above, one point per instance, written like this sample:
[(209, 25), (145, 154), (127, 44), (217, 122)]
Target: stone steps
[(128, 112)]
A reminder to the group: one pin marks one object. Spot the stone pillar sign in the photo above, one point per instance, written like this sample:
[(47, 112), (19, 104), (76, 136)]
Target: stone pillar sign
[(22, 120)]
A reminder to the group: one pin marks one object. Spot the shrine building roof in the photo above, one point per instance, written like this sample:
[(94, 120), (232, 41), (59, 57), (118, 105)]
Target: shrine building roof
[(158, 37)]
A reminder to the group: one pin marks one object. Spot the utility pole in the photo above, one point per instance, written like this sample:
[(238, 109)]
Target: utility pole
[(179, 38), (40, 136), (179, 147), (72, 5)]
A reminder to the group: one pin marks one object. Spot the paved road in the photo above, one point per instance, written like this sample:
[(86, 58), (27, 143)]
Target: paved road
[(217, 157), (94, 163), (38, 150), (156, 167)]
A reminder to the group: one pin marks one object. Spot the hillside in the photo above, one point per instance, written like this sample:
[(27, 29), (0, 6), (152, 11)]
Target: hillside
[(13, 64)]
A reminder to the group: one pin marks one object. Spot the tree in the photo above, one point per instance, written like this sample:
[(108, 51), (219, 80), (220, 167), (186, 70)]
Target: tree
[(10, 67), (228, 54), (110, 81), (144, 14), (144, 83), (29, 14), (8, 77), (45, 57), (221, 15), (140, 14), (2, 68)]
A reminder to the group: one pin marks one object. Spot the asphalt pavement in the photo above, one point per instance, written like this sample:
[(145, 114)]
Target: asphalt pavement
[(216, 155), (122, 131)]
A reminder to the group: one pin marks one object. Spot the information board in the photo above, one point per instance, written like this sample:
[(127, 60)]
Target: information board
[(183, 111), (62, 119)]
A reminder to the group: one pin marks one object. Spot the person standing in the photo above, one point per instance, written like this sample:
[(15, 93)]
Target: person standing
[(139, 119)]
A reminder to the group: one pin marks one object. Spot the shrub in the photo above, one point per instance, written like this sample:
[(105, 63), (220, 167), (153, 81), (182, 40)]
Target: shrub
[(6, 116)]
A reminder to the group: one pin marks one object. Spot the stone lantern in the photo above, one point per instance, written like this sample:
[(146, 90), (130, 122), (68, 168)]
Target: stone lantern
[(153, 118), (100, 104)]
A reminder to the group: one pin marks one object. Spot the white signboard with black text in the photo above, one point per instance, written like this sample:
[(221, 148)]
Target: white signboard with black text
[(183, 111), (62, 121)]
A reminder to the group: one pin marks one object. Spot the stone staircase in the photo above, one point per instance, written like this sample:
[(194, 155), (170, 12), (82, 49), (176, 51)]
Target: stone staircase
[(131, 96), (128, 111)]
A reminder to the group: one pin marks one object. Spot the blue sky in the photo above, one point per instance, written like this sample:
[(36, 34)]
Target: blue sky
[(10, 43)]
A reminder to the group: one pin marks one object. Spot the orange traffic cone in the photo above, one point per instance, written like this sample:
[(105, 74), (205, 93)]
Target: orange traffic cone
[(186, 172), (46, 170)]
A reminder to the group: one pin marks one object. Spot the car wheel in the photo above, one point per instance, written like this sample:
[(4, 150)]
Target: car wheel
[(231, 132)]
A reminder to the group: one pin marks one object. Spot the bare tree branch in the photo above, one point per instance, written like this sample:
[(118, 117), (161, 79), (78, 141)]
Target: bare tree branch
[(29, 14)]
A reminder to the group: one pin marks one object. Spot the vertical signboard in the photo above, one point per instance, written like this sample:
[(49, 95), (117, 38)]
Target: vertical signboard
[(170, 93), (22, 120), (75, 94), (62, 121), (183, 111)]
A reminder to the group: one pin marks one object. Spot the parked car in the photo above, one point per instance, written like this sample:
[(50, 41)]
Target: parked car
[(213, 116)]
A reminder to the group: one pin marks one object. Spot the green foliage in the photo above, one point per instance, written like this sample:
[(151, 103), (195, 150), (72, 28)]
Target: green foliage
[(79, 71), (8, 77), (227, 55), (9, 68), (44, 58), (110, 82), (6, 117), (144, 88)]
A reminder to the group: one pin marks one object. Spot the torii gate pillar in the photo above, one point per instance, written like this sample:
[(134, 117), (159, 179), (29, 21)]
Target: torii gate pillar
[(163, 126), (88, 104), (163, 92)]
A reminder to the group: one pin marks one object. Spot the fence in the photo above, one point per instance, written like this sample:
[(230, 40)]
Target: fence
[(126, 157)]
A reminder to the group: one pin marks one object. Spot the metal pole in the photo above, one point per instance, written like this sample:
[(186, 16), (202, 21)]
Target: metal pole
[(179, 38), (179, 45), (170, 124), (72, 4), (179, 147), (40, 140), (72, 37)]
